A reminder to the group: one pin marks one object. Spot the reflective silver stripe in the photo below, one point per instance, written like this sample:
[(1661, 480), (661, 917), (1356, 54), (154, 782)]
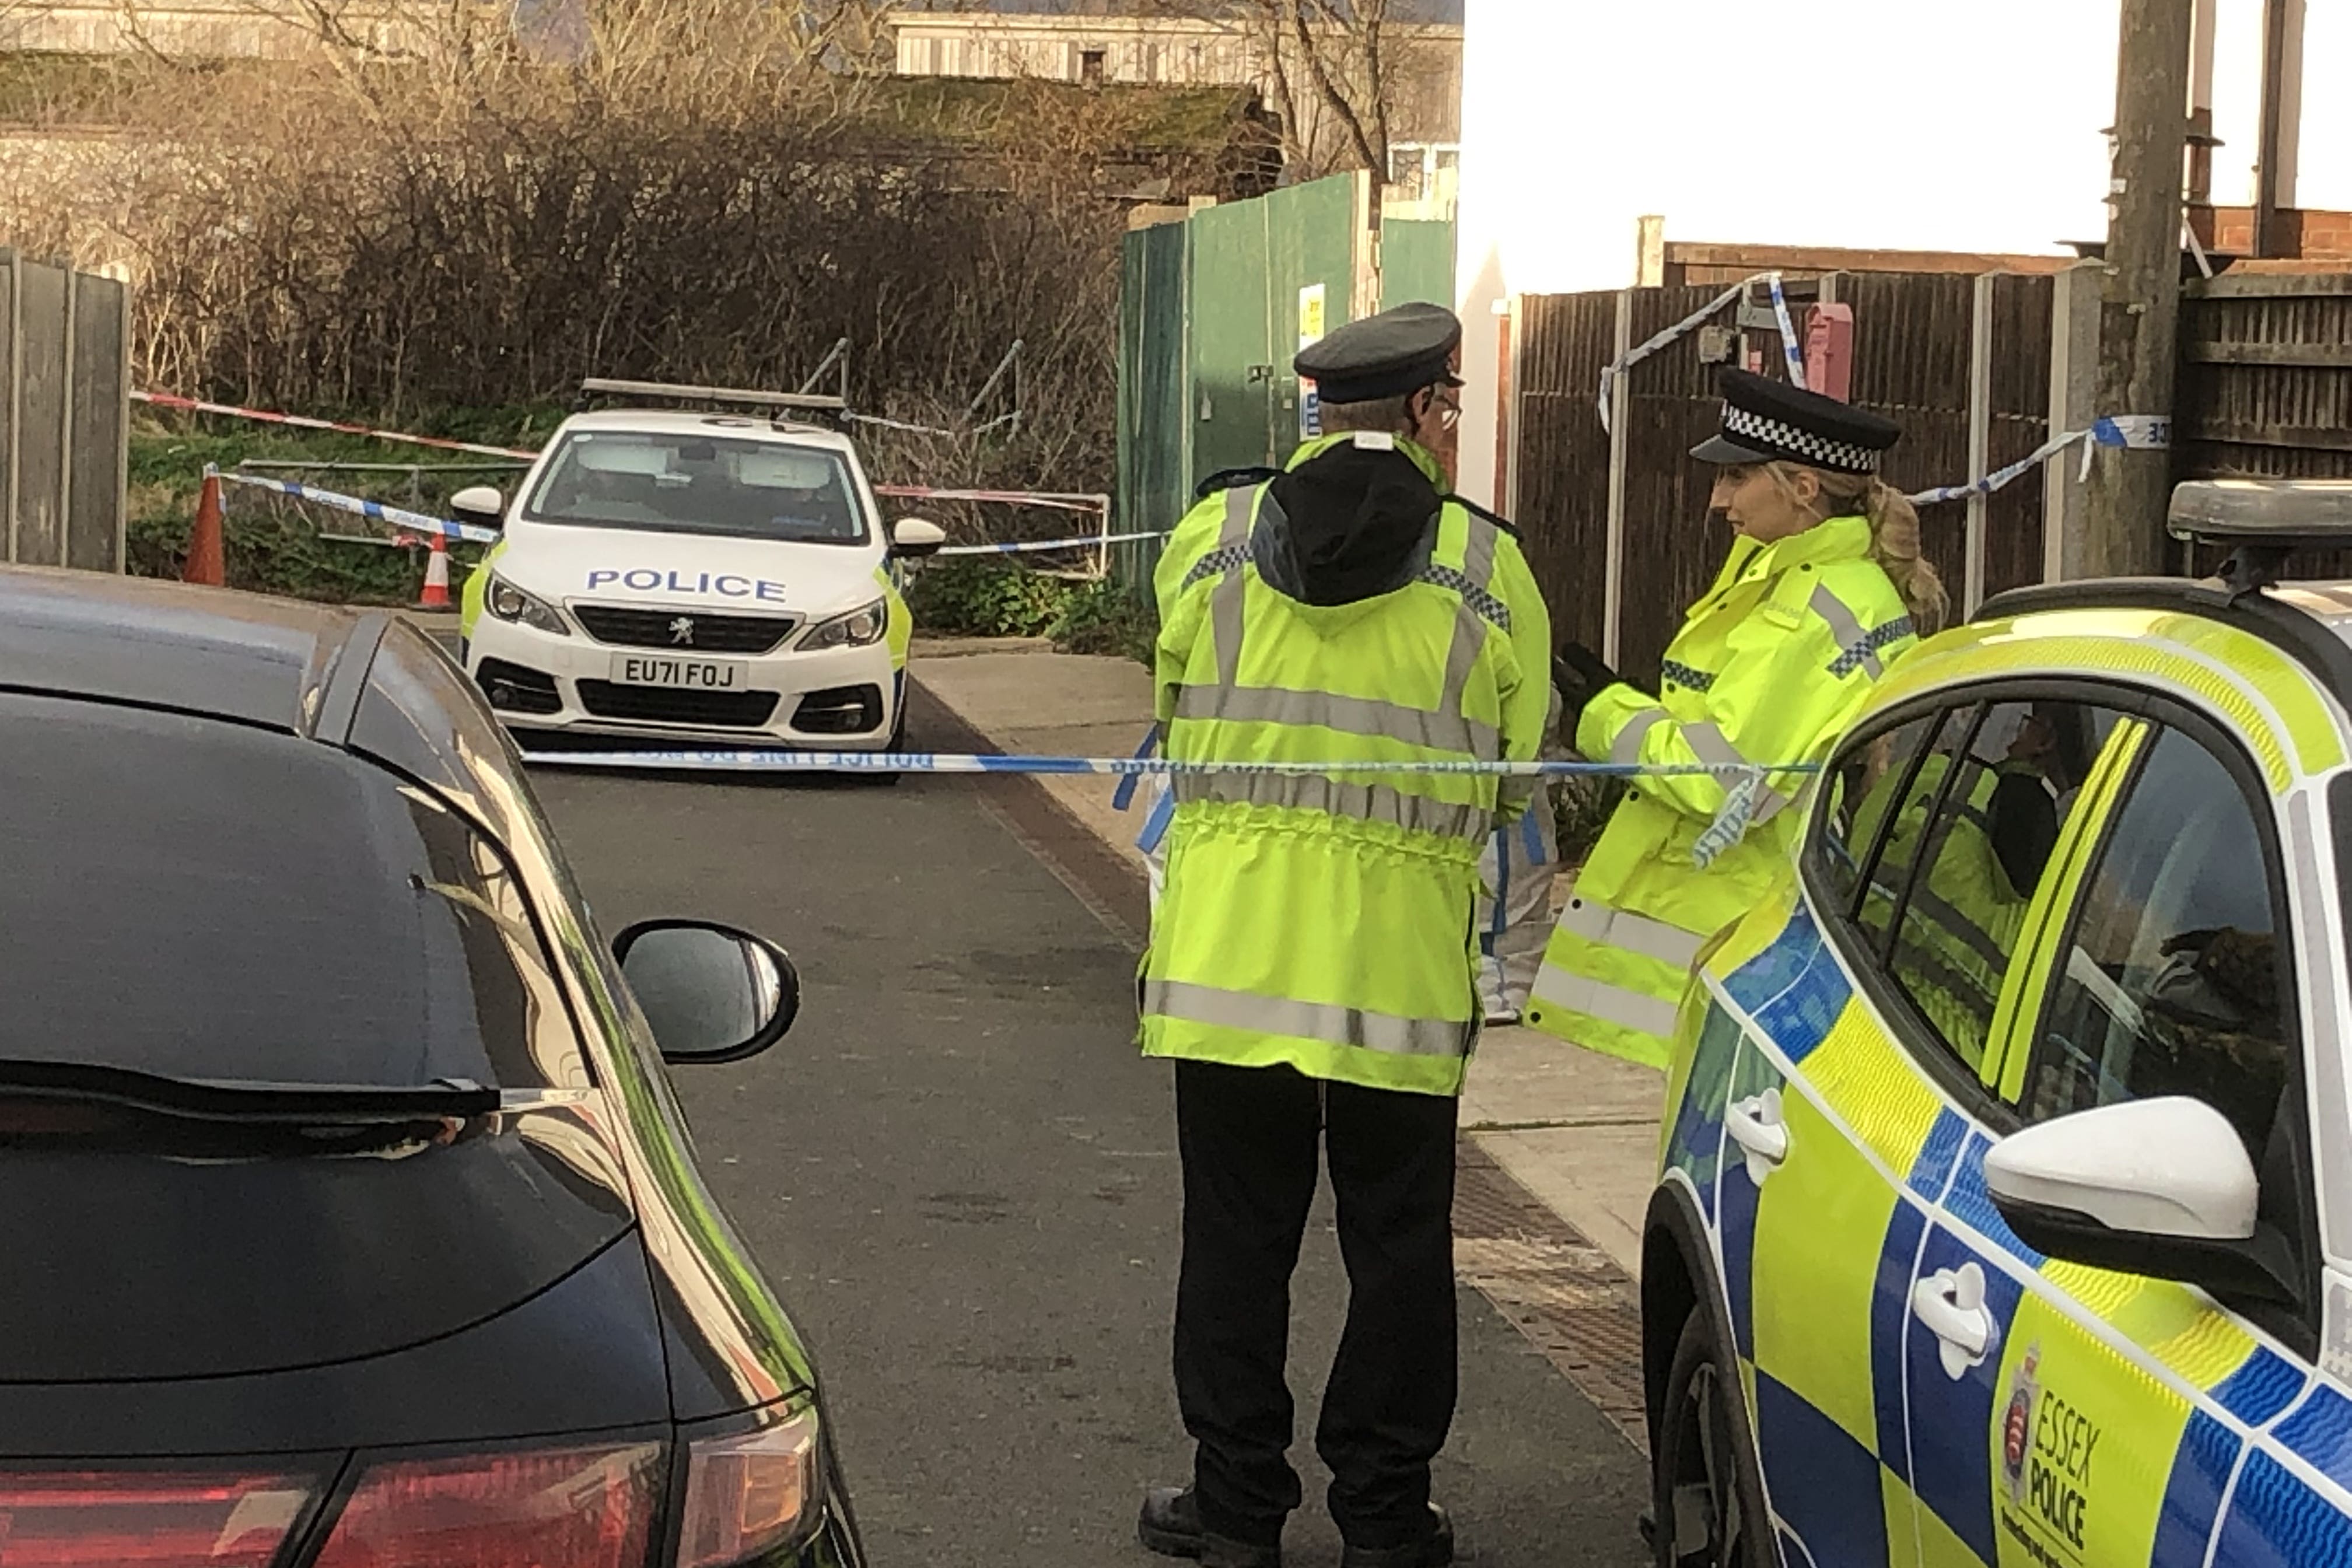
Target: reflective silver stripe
[(1610, 1004), (1333, 1025), (1228, 598), (1960, 928), (1626, 748), (1469, 625), (1708, 743), (1367, 716), (1857, 648), (1624, 930), (1357, 802)]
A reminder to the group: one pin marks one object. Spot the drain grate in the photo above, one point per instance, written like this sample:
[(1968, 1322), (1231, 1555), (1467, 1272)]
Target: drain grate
[(1567, 1296)]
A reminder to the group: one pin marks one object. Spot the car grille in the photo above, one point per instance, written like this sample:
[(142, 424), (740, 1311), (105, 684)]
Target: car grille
[(513, 688), (661, 705), (706, 633)]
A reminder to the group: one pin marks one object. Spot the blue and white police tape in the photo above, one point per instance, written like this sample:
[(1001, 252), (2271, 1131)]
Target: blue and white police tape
[(762, 760), (1792, 353), (1689, 324), (2136, 432), (1023, 547), (416, 522)]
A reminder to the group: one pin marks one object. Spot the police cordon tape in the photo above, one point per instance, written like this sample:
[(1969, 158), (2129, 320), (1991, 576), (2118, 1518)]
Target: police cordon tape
[(1023, 547), (760, 761), (1730, 827), (303, 422), (2137, 432), (419, 523), (399, 517), (2134, 432)]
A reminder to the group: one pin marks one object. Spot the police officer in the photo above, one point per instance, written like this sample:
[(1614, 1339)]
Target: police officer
[(1313, 966), (1823, 589)]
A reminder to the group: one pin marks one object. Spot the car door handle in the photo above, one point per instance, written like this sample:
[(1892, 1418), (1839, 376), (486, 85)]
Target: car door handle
[(1950, 1302), (1757, 1126)]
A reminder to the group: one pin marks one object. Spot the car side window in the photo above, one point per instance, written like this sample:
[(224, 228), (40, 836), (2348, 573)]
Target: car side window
[(2005, 798), (1862, 782), (2172, 982)]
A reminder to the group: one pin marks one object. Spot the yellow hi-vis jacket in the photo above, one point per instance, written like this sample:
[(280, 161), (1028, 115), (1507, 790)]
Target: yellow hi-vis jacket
[(1325, 921), (1768, 667)]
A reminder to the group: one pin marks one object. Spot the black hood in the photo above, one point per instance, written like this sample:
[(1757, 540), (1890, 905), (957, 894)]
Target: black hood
[(1349, 524)]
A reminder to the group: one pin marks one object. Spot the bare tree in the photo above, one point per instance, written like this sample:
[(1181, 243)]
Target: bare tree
[(1329, 72)]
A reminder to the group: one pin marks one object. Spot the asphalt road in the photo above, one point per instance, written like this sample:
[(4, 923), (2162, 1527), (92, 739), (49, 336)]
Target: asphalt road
[(962, 1178)]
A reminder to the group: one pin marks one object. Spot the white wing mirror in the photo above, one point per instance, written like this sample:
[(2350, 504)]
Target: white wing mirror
[(2154, 1167), (914, 536), (2157, 1187), (479, 503)]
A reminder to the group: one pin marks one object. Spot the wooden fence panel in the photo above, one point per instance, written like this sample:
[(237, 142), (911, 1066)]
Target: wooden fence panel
[(1562, 455), (1674, 547), (1913, 352)]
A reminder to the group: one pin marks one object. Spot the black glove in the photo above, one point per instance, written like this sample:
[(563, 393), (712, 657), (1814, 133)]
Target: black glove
[(1574, 665)]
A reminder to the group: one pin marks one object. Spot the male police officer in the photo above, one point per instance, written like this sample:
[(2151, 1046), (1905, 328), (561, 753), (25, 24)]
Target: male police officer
[(1313, 964)]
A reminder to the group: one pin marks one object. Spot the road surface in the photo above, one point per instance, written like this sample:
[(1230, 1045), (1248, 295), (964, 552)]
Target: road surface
[(961, 1177)]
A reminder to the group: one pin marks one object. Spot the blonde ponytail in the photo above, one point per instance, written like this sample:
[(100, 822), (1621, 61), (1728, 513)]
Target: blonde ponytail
[(1893, 539)]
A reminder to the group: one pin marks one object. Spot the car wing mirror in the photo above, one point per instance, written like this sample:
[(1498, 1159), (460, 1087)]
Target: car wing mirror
[(2162, 1188), (915, 537), (712, 994), (481, 504)]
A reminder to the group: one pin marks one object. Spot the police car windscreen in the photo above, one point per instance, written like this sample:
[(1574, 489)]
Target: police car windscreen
[(692, 484), (198, 899)]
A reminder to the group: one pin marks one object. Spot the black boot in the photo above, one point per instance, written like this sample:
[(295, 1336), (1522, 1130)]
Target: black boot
[(1170, 1524), (1434, 1550)]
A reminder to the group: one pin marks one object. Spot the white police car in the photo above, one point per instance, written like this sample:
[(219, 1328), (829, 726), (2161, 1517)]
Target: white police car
[(697, 576), (2005, 1209)]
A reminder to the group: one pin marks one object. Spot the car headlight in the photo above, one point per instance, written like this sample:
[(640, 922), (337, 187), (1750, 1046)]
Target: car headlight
[(858, 628), (509, 603)]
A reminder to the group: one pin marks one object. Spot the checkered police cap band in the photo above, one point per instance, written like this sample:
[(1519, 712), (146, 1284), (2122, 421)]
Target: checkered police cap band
[(1778, 436)]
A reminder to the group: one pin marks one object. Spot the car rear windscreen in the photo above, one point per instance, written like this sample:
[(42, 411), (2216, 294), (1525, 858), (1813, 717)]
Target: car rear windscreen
[(202, 900)]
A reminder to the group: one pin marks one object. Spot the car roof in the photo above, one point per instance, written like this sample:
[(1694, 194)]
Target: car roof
[(365, 681), (2311, 621), (690, 422)]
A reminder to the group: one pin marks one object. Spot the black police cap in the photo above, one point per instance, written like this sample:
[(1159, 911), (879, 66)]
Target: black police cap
[(1391, 354), (1770, 421)]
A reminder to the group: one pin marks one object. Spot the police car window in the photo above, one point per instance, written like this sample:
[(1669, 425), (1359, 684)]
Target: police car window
[(2172, 982), (205, 900), (1861, 784), (1968, 873), (687, 483)]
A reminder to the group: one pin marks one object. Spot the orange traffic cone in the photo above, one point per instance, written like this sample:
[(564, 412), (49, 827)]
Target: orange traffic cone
[(436, 576), (206, 558)]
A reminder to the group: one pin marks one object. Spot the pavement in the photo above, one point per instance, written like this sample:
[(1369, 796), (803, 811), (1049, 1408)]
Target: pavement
[(961, 1177), (1577, 1129)]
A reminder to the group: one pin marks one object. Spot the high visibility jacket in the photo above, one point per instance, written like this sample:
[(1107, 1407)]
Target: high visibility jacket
[(1769, 668), (1324, 919)]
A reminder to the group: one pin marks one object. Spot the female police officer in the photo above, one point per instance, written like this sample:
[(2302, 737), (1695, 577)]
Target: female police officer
[(1824, 588)]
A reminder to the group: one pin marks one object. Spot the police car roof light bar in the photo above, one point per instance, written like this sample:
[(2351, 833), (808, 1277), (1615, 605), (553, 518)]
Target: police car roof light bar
[(804, 401), (2264, 522)]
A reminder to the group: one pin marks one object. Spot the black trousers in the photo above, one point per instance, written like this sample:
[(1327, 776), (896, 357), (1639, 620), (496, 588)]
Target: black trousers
[(1248, 1137)]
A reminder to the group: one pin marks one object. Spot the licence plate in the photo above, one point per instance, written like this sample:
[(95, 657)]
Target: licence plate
[(694, 674)]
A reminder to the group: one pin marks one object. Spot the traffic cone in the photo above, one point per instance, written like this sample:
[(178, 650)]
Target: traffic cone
[(436, 576), (207, 562)]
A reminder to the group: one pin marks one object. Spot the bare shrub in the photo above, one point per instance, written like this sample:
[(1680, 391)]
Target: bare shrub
[(703, 202)]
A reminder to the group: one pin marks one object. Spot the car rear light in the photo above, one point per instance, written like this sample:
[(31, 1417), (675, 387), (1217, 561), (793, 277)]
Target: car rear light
[(562, 1508), (159, 1520), (749, 1494)]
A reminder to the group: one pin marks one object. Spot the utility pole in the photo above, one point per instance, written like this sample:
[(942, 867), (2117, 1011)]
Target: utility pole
[(2140, 305)]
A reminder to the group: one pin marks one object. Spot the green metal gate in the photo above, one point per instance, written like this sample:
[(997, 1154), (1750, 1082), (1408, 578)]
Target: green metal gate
[(1211, 313)]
